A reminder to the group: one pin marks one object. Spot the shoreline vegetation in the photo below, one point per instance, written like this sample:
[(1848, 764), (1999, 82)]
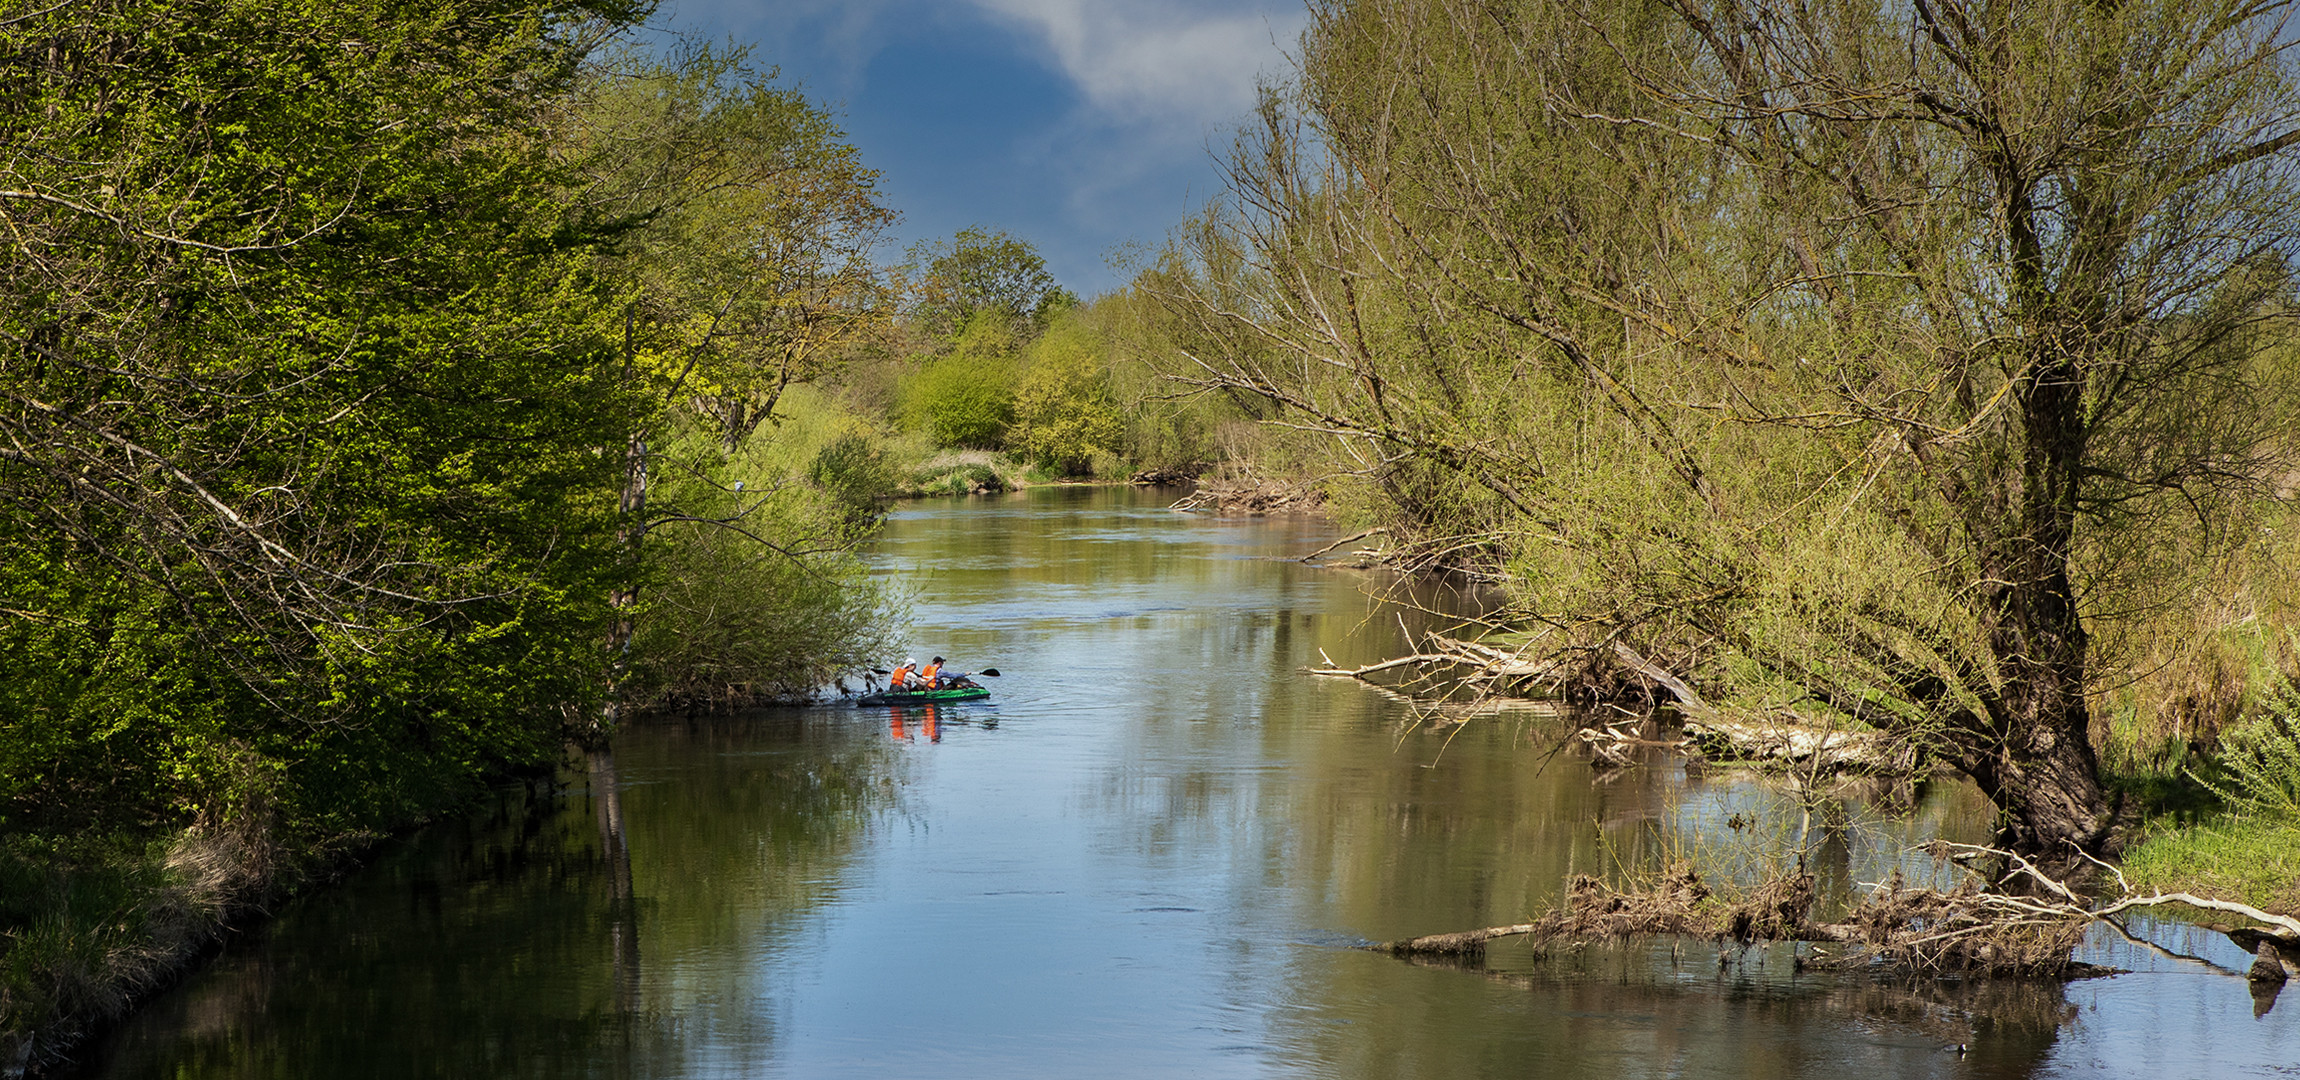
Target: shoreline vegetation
[(395, 398), (1991, 473), (385, 412)]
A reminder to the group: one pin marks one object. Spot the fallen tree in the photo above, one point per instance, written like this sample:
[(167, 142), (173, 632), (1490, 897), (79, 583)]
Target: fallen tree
[(1616, 692), (2014, 921)]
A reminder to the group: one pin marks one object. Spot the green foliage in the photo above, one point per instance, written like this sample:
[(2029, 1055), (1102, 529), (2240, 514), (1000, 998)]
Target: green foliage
[(2257, 771), (750, 222), (754, 593), (975, 273), (857, 475), (1063, 411), (1822, 404), (327, 334), (1165, 427), (966, 399), (317, 370)]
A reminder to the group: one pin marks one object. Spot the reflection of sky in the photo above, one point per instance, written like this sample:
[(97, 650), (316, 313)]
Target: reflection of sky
[(1079, 125), (1147, 857)]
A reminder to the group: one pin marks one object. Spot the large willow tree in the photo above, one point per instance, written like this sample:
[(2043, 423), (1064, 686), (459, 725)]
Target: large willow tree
[(1867, 359)]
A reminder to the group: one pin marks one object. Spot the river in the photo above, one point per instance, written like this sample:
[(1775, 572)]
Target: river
[(1149, 856)]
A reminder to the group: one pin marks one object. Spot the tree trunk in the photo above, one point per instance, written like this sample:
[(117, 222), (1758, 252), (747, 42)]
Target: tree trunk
[(625, 598), (2034, 756)]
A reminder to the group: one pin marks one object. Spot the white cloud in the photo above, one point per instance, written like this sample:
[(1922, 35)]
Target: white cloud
[(1161, 62), (840, 36)]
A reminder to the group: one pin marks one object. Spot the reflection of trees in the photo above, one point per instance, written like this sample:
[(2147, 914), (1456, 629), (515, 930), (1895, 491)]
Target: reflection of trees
[(615, 851), (508, 945)]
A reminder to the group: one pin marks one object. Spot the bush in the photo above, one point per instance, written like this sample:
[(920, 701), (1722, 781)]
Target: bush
[(2258, 769), (776, 608), (857, 476), (1063, 412), (966, 399)]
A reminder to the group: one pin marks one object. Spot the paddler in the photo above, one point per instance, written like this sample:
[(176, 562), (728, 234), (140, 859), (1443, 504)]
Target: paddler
[(929, 676), (900, 680)]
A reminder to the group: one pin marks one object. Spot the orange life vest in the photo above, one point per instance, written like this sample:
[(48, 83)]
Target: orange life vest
[(927, 674), (899, 679)]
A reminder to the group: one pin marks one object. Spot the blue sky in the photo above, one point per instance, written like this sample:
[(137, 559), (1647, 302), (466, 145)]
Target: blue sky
[(1078, 125)]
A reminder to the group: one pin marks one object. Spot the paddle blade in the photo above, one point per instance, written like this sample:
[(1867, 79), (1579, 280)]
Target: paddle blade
[(880, 671), (990, 671)]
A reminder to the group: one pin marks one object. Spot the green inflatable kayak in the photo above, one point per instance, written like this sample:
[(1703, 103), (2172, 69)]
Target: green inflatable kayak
[(925, 697)]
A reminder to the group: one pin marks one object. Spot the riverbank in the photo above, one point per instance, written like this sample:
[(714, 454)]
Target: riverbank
[(96, 925), (2255, 862)]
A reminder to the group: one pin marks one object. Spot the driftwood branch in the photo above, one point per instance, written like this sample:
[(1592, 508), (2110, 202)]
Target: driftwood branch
[(1415, 660), (1340, 542), (1475, 663)]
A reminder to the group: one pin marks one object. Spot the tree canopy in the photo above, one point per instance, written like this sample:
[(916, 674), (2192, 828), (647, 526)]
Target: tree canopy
[(1865, 359), (951, 282)]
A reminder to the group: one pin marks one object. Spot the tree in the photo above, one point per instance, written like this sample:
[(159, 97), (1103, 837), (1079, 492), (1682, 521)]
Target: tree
[(952, 281), (966, 398), (302, 374), (746, 224), (1864, 358), (751, 224), (1063, 410)]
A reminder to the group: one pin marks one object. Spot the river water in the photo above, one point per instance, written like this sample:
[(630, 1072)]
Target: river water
[(1150, 856)]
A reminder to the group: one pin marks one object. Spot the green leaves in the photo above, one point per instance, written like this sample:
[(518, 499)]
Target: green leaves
[(1063, 411), (975, 273), (303, 371)]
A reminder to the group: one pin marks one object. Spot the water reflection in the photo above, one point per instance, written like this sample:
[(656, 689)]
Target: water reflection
[(1149, 859), (510, 943), (615, 851)]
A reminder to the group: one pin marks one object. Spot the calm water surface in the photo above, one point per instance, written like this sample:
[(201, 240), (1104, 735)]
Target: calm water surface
[(1149, 858)]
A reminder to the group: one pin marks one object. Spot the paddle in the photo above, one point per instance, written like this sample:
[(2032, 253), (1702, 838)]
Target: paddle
[(990, 671)]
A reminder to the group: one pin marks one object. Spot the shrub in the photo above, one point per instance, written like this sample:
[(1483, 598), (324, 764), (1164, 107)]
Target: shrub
[(857, 476), (2258, 770), (966, 399), (1063, 412)]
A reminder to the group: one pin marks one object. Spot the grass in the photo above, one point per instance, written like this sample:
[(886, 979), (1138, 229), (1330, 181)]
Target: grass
[(90, 925), (2248, 848), (962, 472), (2231, 857)]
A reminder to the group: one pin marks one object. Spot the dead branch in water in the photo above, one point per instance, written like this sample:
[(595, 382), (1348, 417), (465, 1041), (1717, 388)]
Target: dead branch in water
[(1466, 661), (1780, 739), (1250, 495), (1344, 540), (1980, 927)]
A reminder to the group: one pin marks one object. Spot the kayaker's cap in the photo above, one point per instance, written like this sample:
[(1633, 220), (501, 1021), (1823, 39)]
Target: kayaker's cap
[(938, 659), (910, 663)]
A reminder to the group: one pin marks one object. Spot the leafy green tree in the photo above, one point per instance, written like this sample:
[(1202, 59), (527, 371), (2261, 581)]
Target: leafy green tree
[(951, 282), (746, 224), (303, 371), (755, 591), (1063, 410), (751, 221)]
